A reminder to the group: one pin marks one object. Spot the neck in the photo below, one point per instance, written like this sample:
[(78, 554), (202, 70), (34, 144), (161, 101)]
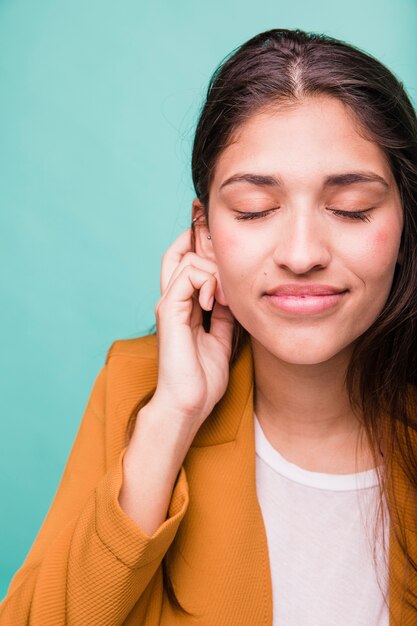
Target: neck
[(304, 411)]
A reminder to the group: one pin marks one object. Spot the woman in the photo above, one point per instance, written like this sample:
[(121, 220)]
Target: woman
[(255, 462)]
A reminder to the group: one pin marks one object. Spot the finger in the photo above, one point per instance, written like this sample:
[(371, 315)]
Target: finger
[(177, 299), (222, 323), (173, 256), (207, 265), (206, 295), (191, 258)]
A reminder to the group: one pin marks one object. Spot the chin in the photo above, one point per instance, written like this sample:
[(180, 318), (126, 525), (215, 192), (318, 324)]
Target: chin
[(313, 359), (304, 352)]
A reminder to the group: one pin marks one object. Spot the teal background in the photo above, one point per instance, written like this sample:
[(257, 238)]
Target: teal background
[(98, 103)]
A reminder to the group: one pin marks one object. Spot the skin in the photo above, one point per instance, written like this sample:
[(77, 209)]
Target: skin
[(300, 359)]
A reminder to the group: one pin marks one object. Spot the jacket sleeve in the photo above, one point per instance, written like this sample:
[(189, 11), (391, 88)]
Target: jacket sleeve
[(90, 562)]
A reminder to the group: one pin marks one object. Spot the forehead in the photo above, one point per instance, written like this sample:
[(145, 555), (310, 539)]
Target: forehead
[(301, 143)]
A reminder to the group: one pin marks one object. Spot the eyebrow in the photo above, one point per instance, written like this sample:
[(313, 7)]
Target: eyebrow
[(333, 180)]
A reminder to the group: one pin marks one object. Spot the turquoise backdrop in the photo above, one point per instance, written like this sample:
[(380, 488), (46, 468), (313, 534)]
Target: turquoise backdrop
[(98, 103)]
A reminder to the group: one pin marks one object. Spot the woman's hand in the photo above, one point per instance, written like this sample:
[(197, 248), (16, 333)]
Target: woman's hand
[(193, 366)]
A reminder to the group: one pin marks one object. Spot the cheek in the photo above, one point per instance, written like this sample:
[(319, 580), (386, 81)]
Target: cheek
[(237, 261), (381, 239), (231, 255), (229, 262), (380, 249), (372, 259)]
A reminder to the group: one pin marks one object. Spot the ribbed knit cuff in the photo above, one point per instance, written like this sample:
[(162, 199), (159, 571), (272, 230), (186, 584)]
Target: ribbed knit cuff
[(121, 535)]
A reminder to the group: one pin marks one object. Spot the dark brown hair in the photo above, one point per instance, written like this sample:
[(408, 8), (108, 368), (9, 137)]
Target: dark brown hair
[(282, 67)]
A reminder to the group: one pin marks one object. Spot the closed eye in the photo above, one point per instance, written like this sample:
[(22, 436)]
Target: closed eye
[(353, 215), (243, 215)]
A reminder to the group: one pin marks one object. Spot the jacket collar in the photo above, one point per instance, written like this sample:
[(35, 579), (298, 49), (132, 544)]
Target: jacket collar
[(223, 424)]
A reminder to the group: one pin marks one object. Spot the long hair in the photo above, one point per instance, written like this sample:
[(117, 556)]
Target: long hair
[(283, 66)]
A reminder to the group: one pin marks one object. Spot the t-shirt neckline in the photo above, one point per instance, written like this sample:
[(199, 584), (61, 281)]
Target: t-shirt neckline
[(317, 480)]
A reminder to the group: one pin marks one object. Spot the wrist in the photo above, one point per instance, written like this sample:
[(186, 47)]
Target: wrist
[(165, 430)]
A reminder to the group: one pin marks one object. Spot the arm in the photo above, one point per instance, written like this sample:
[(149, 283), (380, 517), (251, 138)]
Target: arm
[(107, 533), (90, 558)]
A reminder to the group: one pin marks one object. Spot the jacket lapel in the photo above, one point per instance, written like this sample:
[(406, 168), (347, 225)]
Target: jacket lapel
[(220, 564)]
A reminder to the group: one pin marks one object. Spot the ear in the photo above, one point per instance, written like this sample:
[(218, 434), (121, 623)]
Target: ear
[(202, 238), (203, 245)]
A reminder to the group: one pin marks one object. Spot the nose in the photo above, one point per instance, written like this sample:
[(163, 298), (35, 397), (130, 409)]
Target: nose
[(303, 244)]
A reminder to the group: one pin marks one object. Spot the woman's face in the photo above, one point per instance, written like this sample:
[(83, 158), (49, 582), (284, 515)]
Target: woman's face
[(305, 221)]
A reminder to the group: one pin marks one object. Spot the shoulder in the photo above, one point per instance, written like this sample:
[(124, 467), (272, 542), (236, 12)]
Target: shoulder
[(128, 377), (131, 370), (143, 348)]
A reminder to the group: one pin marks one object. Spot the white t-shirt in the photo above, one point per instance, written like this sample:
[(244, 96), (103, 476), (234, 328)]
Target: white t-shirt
[(320, 529)]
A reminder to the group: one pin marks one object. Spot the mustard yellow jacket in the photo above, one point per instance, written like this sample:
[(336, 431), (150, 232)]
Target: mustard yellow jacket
[(91, 564)]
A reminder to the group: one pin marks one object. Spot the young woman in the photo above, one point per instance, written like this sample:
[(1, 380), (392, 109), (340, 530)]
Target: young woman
[(255, 462)]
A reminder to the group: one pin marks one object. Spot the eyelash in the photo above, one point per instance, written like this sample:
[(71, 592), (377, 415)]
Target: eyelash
[(253, 216), (354, 215)]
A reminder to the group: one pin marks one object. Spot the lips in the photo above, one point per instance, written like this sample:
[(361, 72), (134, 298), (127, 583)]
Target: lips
[(305, 299), (299, 291)]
